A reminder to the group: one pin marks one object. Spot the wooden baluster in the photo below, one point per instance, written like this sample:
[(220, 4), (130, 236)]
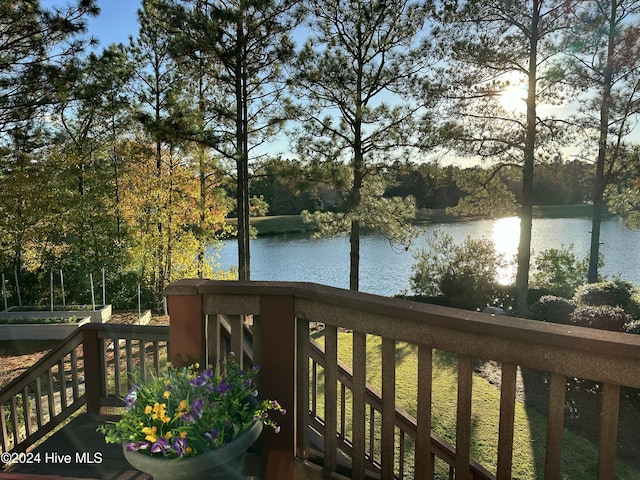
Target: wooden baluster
[(608, 431), (463, 429), (388, 406), (424, 458), (74, 373), (26, 411), (359, 361), (38, 400), (555, 425), (4, 433), (63, 384), (507, 413), (330, 397), (302, 363)]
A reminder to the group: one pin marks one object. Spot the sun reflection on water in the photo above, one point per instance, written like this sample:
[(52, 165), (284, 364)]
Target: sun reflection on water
[(505, 235)]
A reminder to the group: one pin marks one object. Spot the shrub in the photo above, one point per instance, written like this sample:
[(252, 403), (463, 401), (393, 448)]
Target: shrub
[(632, 327), (550, 308), (559, 271), (603, 317), (615, 293), (466, 274)]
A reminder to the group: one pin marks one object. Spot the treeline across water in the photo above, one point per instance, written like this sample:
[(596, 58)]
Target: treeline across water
[(289, 186)]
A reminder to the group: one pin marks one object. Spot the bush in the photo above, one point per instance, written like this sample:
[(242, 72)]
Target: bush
[(559, 271), (466, 275), (603, 317), (632, 327), (550, 308), (617, 293)]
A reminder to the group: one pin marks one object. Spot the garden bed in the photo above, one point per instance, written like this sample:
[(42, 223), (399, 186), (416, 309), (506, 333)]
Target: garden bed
[(43, 328), (101, 314)]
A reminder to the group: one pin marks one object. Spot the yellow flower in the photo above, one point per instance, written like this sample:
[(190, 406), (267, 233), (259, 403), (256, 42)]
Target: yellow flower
[(148, 409), (150, 433), (183, 434), (166, 394), (167, 436)]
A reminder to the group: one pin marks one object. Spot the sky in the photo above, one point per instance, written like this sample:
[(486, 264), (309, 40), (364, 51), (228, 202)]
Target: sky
[(117, 21)]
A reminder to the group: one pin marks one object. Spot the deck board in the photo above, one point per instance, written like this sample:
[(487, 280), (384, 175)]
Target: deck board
[(88, 456)]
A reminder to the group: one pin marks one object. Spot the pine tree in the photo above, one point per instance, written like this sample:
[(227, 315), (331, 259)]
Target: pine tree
[(351, 79)]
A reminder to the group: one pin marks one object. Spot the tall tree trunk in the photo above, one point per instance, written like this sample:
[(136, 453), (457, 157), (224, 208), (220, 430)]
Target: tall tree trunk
[(526, 212), (354, 256), (600, 181), (242, 160), (354, 204)]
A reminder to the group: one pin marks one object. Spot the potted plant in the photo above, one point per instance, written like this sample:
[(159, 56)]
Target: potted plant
[(192, 423)]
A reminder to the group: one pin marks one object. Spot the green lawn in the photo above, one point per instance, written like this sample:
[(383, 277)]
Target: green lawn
[(579, 455)]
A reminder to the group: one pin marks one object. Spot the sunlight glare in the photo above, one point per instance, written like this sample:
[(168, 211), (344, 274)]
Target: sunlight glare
[(506, 236), (514, 99)]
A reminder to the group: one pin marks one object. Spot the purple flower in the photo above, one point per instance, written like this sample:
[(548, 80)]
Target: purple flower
[(197, 406), (188, 418), (207, 374), (130, 399), (180, 446), (198, 381), (135, 446), (224, 387), (160, 446), (212, 435)]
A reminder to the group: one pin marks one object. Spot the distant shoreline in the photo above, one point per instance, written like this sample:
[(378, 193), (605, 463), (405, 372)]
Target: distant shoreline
[(284, 224)]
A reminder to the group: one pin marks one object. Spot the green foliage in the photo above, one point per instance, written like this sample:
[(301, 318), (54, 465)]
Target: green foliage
[(38, 321), (559, 271), (623, 196), (616, 293), (258, 206), (550, 308), (603, 317), (466, 274), (389, 216), (484, 192)]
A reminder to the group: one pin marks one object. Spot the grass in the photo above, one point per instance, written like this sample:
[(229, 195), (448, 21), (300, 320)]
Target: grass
[(579, 455)]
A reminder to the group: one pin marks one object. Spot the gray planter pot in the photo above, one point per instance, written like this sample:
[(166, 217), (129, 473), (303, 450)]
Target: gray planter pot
[(225, 462)]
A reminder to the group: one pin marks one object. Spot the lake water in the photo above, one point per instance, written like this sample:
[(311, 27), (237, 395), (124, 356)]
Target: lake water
[(385, 268)]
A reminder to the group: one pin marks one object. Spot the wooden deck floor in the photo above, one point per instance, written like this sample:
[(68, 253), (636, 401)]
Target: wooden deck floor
[(76, 451)]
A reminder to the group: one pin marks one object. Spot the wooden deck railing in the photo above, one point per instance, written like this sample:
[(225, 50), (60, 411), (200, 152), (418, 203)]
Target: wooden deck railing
[(281, 315), (405, 424), (92, 367), (118, 354), (41, 398)]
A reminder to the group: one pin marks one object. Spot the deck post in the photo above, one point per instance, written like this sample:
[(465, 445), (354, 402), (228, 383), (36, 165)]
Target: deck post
[(278, 381), (188, 326), (93, 368)]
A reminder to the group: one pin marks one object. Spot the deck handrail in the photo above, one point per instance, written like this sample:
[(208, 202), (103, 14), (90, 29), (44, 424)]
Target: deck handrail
[(283, 311), (23, 417), (79, 371)]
